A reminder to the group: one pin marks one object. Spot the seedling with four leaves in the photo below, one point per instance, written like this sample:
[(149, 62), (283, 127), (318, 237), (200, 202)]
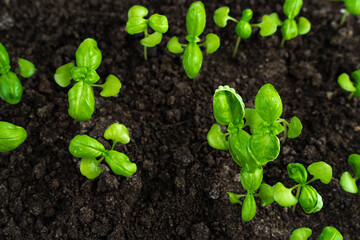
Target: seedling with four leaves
[(138, 24), (328, 233), (193, 56), (89, 149), (348, 85), (11, 136), (81, 96), (310, 200), (11, 89), (347, 182)]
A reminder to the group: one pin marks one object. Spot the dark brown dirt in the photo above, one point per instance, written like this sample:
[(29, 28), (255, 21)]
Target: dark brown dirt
[(179, 191)]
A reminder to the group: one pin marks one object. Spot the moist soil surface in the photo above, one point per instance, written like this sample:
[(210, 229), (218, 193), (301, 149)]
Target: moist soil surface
[(179, 189)]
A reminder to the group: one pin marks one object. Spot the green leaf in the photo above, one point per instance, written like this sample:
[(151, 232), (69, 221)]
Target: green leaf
[(304, 26), (120, 163), (352, 7), (268, 103), (88, 54), (81, 101), (4, 60), (228, 106), (297, 172), (264, 148), (196, 19), (348, 183), (301, 234), (83, 146), (159, 23), (345, 83), (246, 15), (212, 43), (354, 162), (84, 74), (221, 16), (292, 8), (356, 76), (26, 68), (295, 128), (234, 198), (11, 136), (192, 60), (321, 170), (216, 138), (63, 75), (283, 195), (89, 167), (269, 24), (254, 121), (111, 87), (118, 133), (248, 210), (330, 233), (289, 29), (151, 40), (136, 25), (310, 200), (266, 194), (243, 29), (251, 180), (137, 11), (10, 88), (174, 46)]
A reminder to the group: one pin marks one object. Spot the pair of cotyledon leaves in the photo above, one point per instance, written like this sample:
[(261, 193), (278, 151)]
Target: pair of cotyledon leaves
[(10, 86), (81, 96), (328, 233), (88, 149), (309, 199), (345, 82), (11, 136), (347, 182), (250, 151)]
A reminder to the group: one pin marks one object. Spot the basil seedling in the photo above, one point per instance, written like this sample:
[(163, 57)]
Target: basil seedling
[(89, 150), (243, 29), (310, 200), (11, 136), (138, 24), (251, 181), (10, 86), (301, 234), (346, 84), (81, 96), (328, 233), (352, 7), (195, 24), (253, 150), (347, 182)]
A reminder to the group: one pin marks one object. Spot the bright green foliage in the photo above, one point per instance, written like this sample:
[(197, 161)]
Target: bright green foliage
[(195, 25), (10, 86), (81, 95), (89, 149), (352, 7), (347, 182), (301, 234), (350, 86), (310, 200), (138, 24), (328, 233), (11, 136), (250, 151)]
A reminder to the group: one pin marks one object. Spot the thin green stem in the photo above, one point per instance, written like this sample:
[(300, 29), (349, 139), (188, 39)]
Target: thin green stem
[(350, 96), (255, 25), (297, 196), (113, 145), (308, 182), (282, 42), (233, 19), (100, 160), (285, 131), (236, 47), (297, 185), (145, 48), (97, 85), (344, 18)]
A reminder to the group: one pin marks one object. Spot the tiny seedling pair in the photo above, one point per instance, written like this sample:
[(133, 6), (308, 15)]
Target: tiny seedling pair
[(347, 182), (328, 233), (11, 136), (345, 83)]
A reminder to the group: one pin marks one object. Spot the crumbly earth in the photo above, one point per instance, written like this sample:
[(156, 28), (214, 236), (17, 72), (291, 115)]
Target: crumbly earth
[(179, 190)]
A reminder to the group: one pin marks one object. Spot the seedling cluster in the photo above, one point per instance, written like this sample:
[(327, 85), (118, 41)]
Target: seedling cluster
[(345, 83), (328, 233), (347, 182)]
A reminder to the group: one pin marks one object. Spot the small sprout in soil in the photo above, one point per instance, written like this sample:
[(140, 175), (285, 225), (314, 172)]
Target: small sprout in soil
[(243, 29), (310, 200), (193, 56), (328, 233), (254, 150), (138, 24), (347, 182), (346, 84), (11, 136), (251, 181), (81, 96), (92, 153), (352, 7), (10, 86), (301, 234)]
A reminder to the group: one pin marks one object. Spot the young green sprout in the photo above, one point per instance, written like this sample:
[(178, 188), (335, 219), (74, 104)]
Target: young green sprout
[(243, 29), (352, 7), (346, 84), (81, 96), (193, 56), (92, 153), (138, 24), (328, 233), (10, 86), (347, 182), (262, 146), (310, 200), (252, 182), (11, 136)]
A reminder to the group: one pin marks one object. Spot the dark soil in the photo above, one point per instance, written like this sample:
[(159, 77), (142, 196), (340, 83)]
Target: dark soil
[(179, 190)]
